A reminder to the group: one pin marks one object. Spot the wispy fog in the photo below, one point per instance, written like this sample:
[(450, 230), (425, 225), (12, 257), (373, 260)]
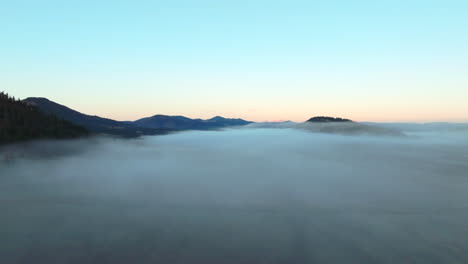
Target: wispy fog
[(253, 195)]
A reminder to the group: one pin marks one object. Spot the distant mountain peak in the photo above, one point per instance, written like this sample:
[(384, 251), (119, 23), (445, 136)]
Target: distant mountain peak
[(216, 118), (185, 123), (327, 119)]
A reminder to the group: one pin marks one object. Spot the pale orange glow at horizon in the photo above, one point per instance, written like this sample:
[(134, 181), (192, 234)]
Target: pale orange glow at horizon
[(364, 65), (130, 112)]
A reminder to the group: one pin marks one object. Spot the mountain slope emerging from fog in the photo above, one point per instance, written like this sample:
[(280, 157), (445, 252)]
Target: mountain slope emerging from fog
[(21, 121), (93, 123), (185, 123), (158, 124)]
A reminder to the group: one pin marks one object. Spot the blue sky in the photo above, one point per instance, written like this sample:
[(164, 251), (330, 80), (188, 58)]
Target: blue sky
[(259, 60)]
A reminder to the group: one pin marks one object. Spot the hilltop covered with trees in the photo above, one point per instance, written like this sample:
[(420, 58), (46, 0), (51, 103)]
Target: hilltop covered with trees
[(21, 121), (327, 119)]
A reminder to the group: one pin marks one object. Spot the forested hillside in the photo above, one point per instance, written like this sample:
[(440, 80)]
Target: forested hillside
[(94, 124), (22, 121)]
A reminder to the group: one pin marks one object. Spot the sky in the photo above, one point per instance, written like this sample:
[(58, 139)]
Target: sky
[(258, 60)]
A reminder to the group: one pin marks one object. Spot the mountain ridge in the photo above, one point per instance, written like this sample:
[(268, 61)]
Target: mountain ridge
[(156, 124), (185, 123), (93, 123)]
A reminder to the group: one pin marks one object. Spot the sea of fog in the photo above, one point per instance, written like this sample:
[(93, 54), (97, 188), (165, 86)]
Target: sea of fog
[(257, 195)]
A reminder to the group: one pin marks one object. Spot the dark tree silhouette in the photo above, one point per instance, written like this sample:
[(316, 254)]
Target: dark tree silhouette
[(21, 121)]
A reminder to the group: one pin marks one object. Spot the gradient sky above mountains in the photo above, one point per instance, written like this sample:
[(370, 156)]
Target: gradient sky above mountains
[(258, 60)]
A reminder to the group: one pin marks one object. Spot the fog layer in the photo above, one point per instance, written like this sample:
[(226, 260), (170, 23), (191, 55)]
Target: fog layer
[(341, 128), (237, 196)]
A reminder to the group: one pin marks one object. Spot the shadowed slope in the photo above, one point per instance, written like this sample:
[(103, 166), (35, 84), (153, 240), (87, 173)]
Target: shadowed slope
[(20, 121), (93, 123)]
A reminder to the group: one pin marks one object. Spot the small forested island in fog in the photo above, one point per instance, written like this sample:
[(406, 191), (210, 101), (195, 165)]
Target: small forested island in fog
[(324, 119)]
